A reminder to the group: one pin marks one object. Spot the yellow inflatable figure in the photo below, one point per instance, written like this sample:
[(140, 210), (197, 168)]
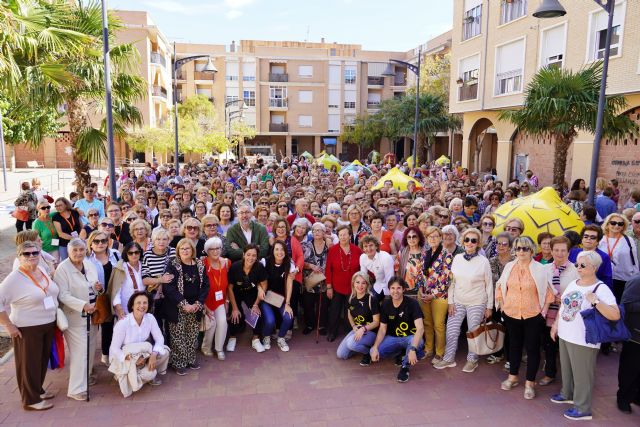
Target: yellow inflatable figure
[(328, 161), (540, 212), (399, 180)]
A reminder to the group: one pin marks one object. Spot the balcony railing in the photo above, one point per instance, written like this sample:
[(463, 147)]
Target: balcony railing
[(468, 91), (373, 105), (278, 127), (278, 102), (278, 77), (375, 81), (157, 58), (159, 91), (201, 75)]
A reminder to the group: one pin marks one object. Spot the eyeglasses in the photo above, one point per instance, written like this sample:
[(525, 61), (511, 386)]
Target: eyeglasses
[(614, 223), (470, 240), (134, 252), (130, 219), (100, 241), (166, 217), (412, 236), (580, 265), (92, 214), (512, 229), (503, 244), (487, 224), (30, 254), (45, 208), (107, 225), (383, 205), (590, 237), (636, 221), (282, 206), (444, 216), (192, 227), (152, 198), (334, 211), (522, 249), (217, 248), (88, 191)]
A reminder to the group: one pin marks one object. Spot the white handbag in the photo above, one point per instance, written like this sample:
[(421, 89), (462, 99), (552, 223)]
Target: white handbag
[(61, 320), (487, 338)]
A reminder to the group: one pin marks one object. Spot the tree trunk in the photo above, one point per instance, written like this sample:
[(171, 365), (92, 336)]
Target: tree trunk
[(562, 144), (479, 144), (77, 118)]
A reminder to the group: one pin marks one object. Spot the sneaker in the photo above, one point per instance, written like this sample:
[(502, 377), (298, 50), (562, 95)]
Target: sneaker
[(559, 398), (40, 406), (266, 343), (194, 366), (470, 366), (366, 360), (282, 343), (443, 364), (256, 345), (491, 360), (80, 397), (156, 381), (221, 355), (435, 359), (403, 375), (206, 352), (574, 414), (93, 380), (231, 344), (398, 359), (104, 359), (181, 371), (47, 395)]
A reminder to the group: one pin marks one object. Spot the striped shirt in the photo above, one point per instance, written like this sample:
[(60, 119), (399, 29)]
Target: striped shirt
[(154, 265)]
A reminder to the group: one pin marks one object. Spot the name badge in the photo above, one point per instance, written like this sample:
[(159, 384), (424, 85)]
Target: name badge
[(49, 304), (74, 233), (55, 242), (218, 295)]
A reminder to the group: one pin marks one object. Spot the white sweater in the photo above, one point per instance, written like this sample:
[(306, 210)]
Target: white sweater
[(472, 282), (26, 300)]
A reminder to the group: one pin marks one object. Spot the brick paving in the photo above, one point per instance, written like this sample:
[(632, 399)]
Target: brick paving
[(309, 387)]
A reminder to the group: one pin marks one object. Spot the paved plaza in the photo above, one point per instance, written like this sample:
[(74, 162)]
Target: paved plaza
[(309, 387)]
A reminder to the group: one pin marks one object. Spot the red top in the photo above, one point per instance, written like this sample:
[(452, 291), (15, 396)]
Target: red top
[(217, 283), (341, 267), (294, 216), (385, 241)]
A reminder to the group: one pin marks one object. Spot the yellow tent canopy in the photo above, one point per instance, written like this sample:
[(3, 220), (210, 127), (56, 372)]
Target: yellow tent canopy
[(398, 178), (410, 161), (442, 160), (356, 162), (307, 155), (327, 162)]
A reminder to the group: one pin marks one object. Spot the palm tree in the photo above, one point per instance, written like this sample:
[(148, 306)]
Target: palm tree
[(560, 102)]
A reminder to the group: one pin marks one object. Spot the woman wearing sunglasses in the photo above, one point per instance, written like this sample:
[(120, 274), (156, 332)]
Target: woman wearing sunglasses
[(470, 296), (192, 230), (410, 259), (106, 225), (46, 230), (128, 279), (523, 295), (93, 217), (621, 250)]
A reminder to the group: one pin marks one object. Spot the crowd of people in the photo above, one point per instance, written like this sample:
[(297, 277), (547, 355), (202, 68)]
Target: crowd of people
[(178, 265)]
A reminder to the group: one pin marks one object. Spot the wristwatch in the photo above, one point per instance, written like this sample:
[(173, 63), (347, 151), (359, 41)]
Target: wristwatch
[(596, 302), (413, 348)]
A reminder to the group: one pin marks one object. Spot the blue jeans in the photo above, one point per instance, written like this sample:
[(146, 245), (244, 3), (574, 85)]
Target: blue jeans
[(64, 254), (349, 345), (269, 316), (390, 346)]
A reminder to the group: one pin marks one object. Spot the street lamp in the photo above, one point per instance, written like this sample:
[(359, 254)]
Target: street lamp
[(177, 63), (229, 115), (388, 72), (109, 113), (553, 9)]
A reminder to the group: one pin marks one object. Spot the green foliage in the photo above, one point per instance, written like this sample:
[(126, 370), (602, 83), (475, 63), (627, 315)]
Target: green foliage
[(435, 73), (22, 124), (365, 131)]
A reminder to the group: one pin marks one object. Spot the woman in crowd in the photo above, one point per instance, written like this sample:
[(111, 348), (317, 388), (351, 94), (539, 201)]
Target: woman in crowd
[(494, 203), (226, 215), (515, 227), (523, 295), (106, 226), (378, 264), (216, 306), (46, 230), (191, 229), (280, 273), (314, 294), (67, 223), (184, 302), (621, 250), (104, 260), (410, 258), (141, 233), (385, 237), (358, 227), (154, 275), (497, 263), (26, 201), (47, 262), (174, 228), (343, 261), (247, 283), (92, 225), (200, 209), (544, 243), (487, 224), (364, 317), (33, 298), (577, 357), (79, 286), (210, 228), (294, 251), (129, 279), (470, 296)]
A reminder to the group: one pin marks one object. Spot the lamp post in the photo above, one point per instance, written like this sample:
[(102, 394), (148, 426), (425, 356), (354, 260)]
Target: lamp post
[(177, 63), (228, 117), (416, 70), (553, 9), (109, 113)]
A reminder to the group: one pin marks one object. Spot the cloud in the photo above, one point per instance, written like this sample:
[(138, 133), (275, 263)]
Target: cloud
[(238, 4), (233, 14)]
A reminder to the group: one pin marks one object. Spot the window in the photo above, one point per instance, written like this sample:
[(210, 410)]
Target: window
[(349, 99), (598, 26), (305, 71), (509, 67), (350, 75), (472, 19), (373, 99), (334, 123), (334, 74), (249, 71), (553, 46), (249, 97), (305, 121), (230, 98), (468, 73), (277, 96), (305, 96), (334, 98), (513, 9), (231, 71)]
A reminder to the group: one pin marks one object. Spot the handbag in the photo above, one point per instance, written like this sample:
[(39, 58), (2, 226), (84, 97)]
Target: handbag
[(102, 311), (487, 338), (61, 320), (599, 329), (313, 280), (274, 298), (21, 214)]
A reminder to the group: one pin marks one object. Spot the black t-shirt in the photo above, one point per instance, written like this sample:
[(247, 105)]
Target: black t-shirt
[(246, 285), (277, 278), (68, 225), (362, 310), (121, 233), (400, 320), (199, 245)]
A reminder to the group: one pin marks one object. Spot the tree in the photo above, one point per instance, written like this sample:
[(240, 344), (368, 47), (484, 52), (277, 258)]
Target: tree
[(365, 132), (435, 73), (560, 102)]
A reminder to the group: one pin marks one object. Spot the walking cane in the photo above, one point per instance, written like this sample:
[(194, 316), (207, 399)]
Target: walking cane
[(88, 316), (318, 322)]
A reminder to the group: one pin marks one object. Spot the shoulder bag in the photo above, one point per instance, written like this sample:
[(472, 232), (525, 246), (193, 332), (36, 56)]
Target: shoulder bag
[(599, 329), (487, 338)]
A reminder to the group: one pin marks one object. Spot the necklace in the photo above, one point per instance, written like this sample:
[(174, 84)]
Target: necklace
[(348, 260)]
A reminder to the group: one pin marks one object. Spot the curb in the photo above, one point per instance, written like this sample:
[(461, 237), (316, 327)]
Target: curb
[(6, 357)]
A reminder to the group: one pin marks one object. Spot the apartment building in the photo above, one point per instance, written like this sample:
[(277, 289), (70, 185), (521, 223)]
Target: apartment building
[(497, 48)]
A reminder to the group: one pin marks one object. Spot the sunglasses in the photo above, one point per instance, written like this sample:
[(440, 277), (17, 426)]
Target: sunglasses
[(580, 265), (45, 208), (192, 227), (152, 198), (100, 241), (487, 224), (30, 254), (134, 252), (211, 226), (523, 249), (444, 216), (88, 191), (92, 214), (470, 240), (503, 244), (618, 223), (512, 229), (130, 219), (412, 236), (107, 225), (590, 237), (636, 221), (383, 205)]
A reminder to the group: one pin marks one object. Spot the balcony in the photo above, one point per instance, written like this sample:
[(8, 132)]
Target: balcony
[(278, 127), (399, 81), (373, 105), (201, 75), (468, 91), (158, 58), (375, 81), (278, 77), (277, 102), (159, 91)]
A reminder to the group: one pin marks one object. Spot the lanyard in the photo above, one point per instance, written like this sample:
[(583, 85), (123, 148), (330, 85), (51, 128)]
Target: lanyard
[(50, 227), (72, 224), (610, 249), (133, 277), (116, 234), (210, 269), (35, 282)]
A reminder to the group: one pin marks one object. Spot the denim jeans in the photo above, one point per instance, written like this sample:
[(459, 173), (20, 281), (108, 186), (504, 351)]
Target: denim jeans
[(390, 346), (269, 314), (349, 345)]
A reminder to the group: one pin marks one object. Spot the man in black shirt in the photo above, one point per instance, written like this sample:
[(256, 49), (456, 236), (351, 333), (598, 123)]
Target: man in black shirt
[(401, 329)]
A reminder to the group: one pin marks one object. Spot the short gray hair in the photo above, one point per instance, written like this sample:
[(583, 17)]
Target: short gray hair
[(451, 229), (213, 241), (158, 233), (76, 242), (592, 257)]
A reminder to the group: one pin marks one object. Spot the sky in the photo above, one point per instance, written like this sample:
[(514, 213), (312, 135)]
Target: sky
[(395, 25)]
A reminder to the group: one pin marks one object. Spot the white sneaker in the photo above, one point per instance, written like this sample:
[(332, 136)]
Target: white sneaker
[(104, 359), (257, 345), (221, 355), (282, 343), (266, 343), (231, 344)]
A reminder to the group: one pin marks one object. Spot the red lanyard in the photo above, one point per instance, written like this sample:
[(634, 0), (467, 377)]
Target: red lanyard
[(216, 284), (611, 250), (35, 282), (50, 227), (72, 224)]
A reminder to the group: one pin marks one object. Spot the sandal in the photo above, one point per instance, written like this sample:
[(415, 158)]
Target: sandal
[(508, 384), (546, 381)]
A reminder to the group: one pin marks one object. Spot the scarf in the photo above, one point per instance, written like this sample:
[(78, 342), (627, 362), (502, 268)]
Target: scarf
[(469, 257), (557, 271)]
